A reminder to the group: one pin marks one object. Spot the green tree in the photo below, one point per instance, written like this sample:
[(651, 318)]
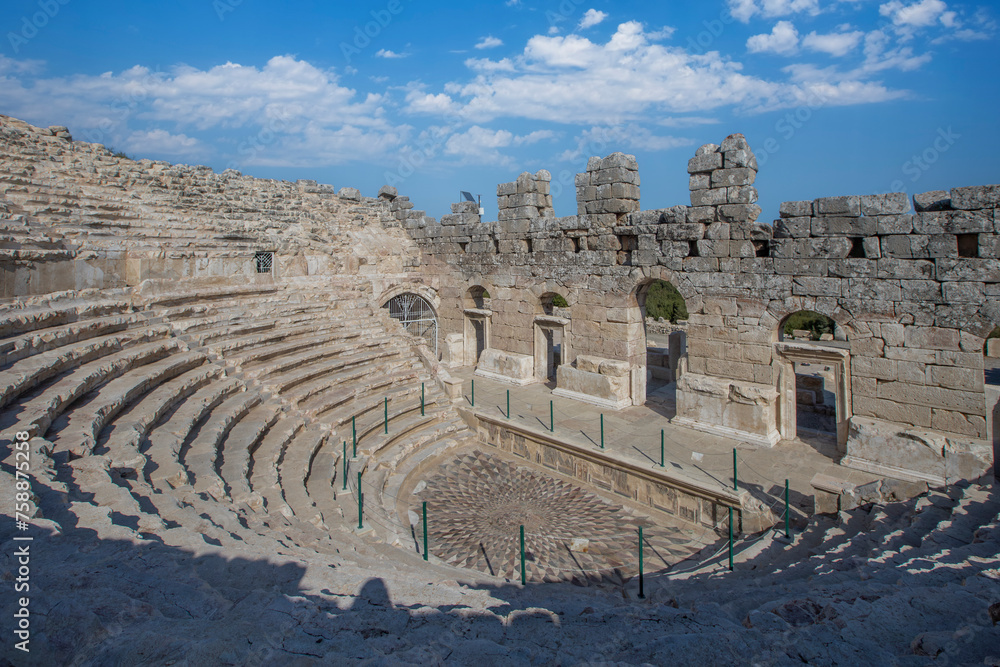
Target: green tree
[(559, 302), (808, 320), (663, 300)]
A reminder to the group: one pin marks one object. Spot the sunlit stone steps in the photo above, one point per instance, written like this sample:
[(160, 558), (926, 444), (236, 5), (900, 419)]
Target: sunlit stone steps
[(38, 412), (123, 437), (85, 422), (200, 455), (239, 447), (165, 441)]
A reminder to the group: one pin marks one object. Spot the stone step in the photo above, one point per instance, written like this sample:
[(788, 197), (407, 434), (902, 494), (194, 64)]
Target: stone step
[(266, 459), (15, 348), (16, 321), (271, 370), (37, 413), (121, 440), (293, 471), (200, 453), (27, 374), (282, 341), (163, 465), (238, 450), (85, 422), (327, 391), (92, 476)]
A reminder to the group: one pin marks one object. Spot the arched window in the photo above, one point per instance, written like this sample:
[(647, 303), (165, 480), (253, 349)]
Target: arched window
[(416, 316)]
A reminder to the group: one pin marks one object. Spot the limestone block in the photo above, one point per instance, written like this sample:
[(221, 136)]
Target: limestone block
[(792, 227), (993, 348), (730, 177), (699, 181), (796, 209), (707, 148), (453, 388), (713, 248), (687, 231), (615, 175), (975, 270), (956, 292), (453, 354), (506, 366), (738, 212), (931, 338), (588, 363), (710, 197), (953, 222), (593, 387), (843, 226), (842, 206), (701, 214), (706, 162), (893, 202), (350, 194), (901, 269), (741, 157), (977, 196), (895, 224), (935, 200), (387, 193), (741, 194), (912, 453), (614, 368)]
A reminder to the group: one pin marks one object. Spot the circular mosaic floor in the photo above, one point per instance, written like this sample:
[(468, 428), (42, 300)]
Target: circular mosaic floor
[(477, 503)]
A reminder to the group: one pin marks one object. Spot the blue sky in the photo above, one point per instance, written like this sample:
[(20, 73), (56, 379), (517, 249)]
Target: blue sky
[(835, 97)]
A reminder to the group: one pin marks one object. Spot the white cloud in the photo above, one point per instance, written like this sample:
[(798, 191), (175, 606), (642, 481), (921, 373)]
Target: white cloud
[(917, 15), (836, 43), (386, 53), (783, 40), (572, 80), (284, 101), (161, 142), (481, 145), (591, 18), (744, 10), (489, 42)]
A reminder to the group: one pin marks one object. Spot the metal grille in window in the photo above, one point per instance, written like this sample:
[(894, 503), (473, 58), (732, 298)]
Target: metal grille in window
[(416, 316), (264, 261)]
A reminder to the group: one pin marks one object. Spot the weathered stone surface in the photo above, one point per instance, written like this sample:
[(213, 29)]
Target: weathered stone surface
[(707, 162), (935, 200), (842, 206), (975, 197), (894, 202)]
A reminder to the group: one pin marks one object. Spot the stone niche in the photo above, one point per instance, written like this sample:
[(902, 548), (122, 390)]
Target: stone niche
[(598, 381), (509, 367)]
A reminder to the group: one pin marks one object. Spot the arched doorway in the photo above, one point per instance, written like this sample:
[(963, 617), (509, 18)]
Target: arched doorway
[(416, 316), (814, 380)]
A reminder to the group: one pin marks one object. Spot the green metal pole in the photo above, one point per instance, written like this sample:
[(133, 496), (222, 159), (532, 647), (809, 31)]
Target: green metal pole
[(508, 404), (421, 399), (473, 393), (354, 434), (602, 430), (345, 465), (552, 419), (361, 501), (661, 448), (788, 531), (730, 539), (523, 577), (387, 415), (425, 530), (641, 593), (735, 488)]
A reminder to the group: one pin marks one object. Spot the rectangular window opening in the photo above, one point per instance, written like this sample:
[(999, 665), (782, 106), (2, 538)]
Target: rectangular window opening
[(968, 245), (264, 261), (857, 249), (762, 248)]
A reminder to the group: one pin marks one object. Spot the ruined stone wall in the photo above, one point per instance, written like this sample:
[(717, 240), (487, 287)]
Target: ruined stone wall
[(915, 291)]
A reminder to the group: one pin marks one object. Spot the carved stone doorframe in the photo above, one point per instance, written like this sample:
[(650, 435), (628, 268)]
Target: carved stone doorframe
[(788, 354)]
